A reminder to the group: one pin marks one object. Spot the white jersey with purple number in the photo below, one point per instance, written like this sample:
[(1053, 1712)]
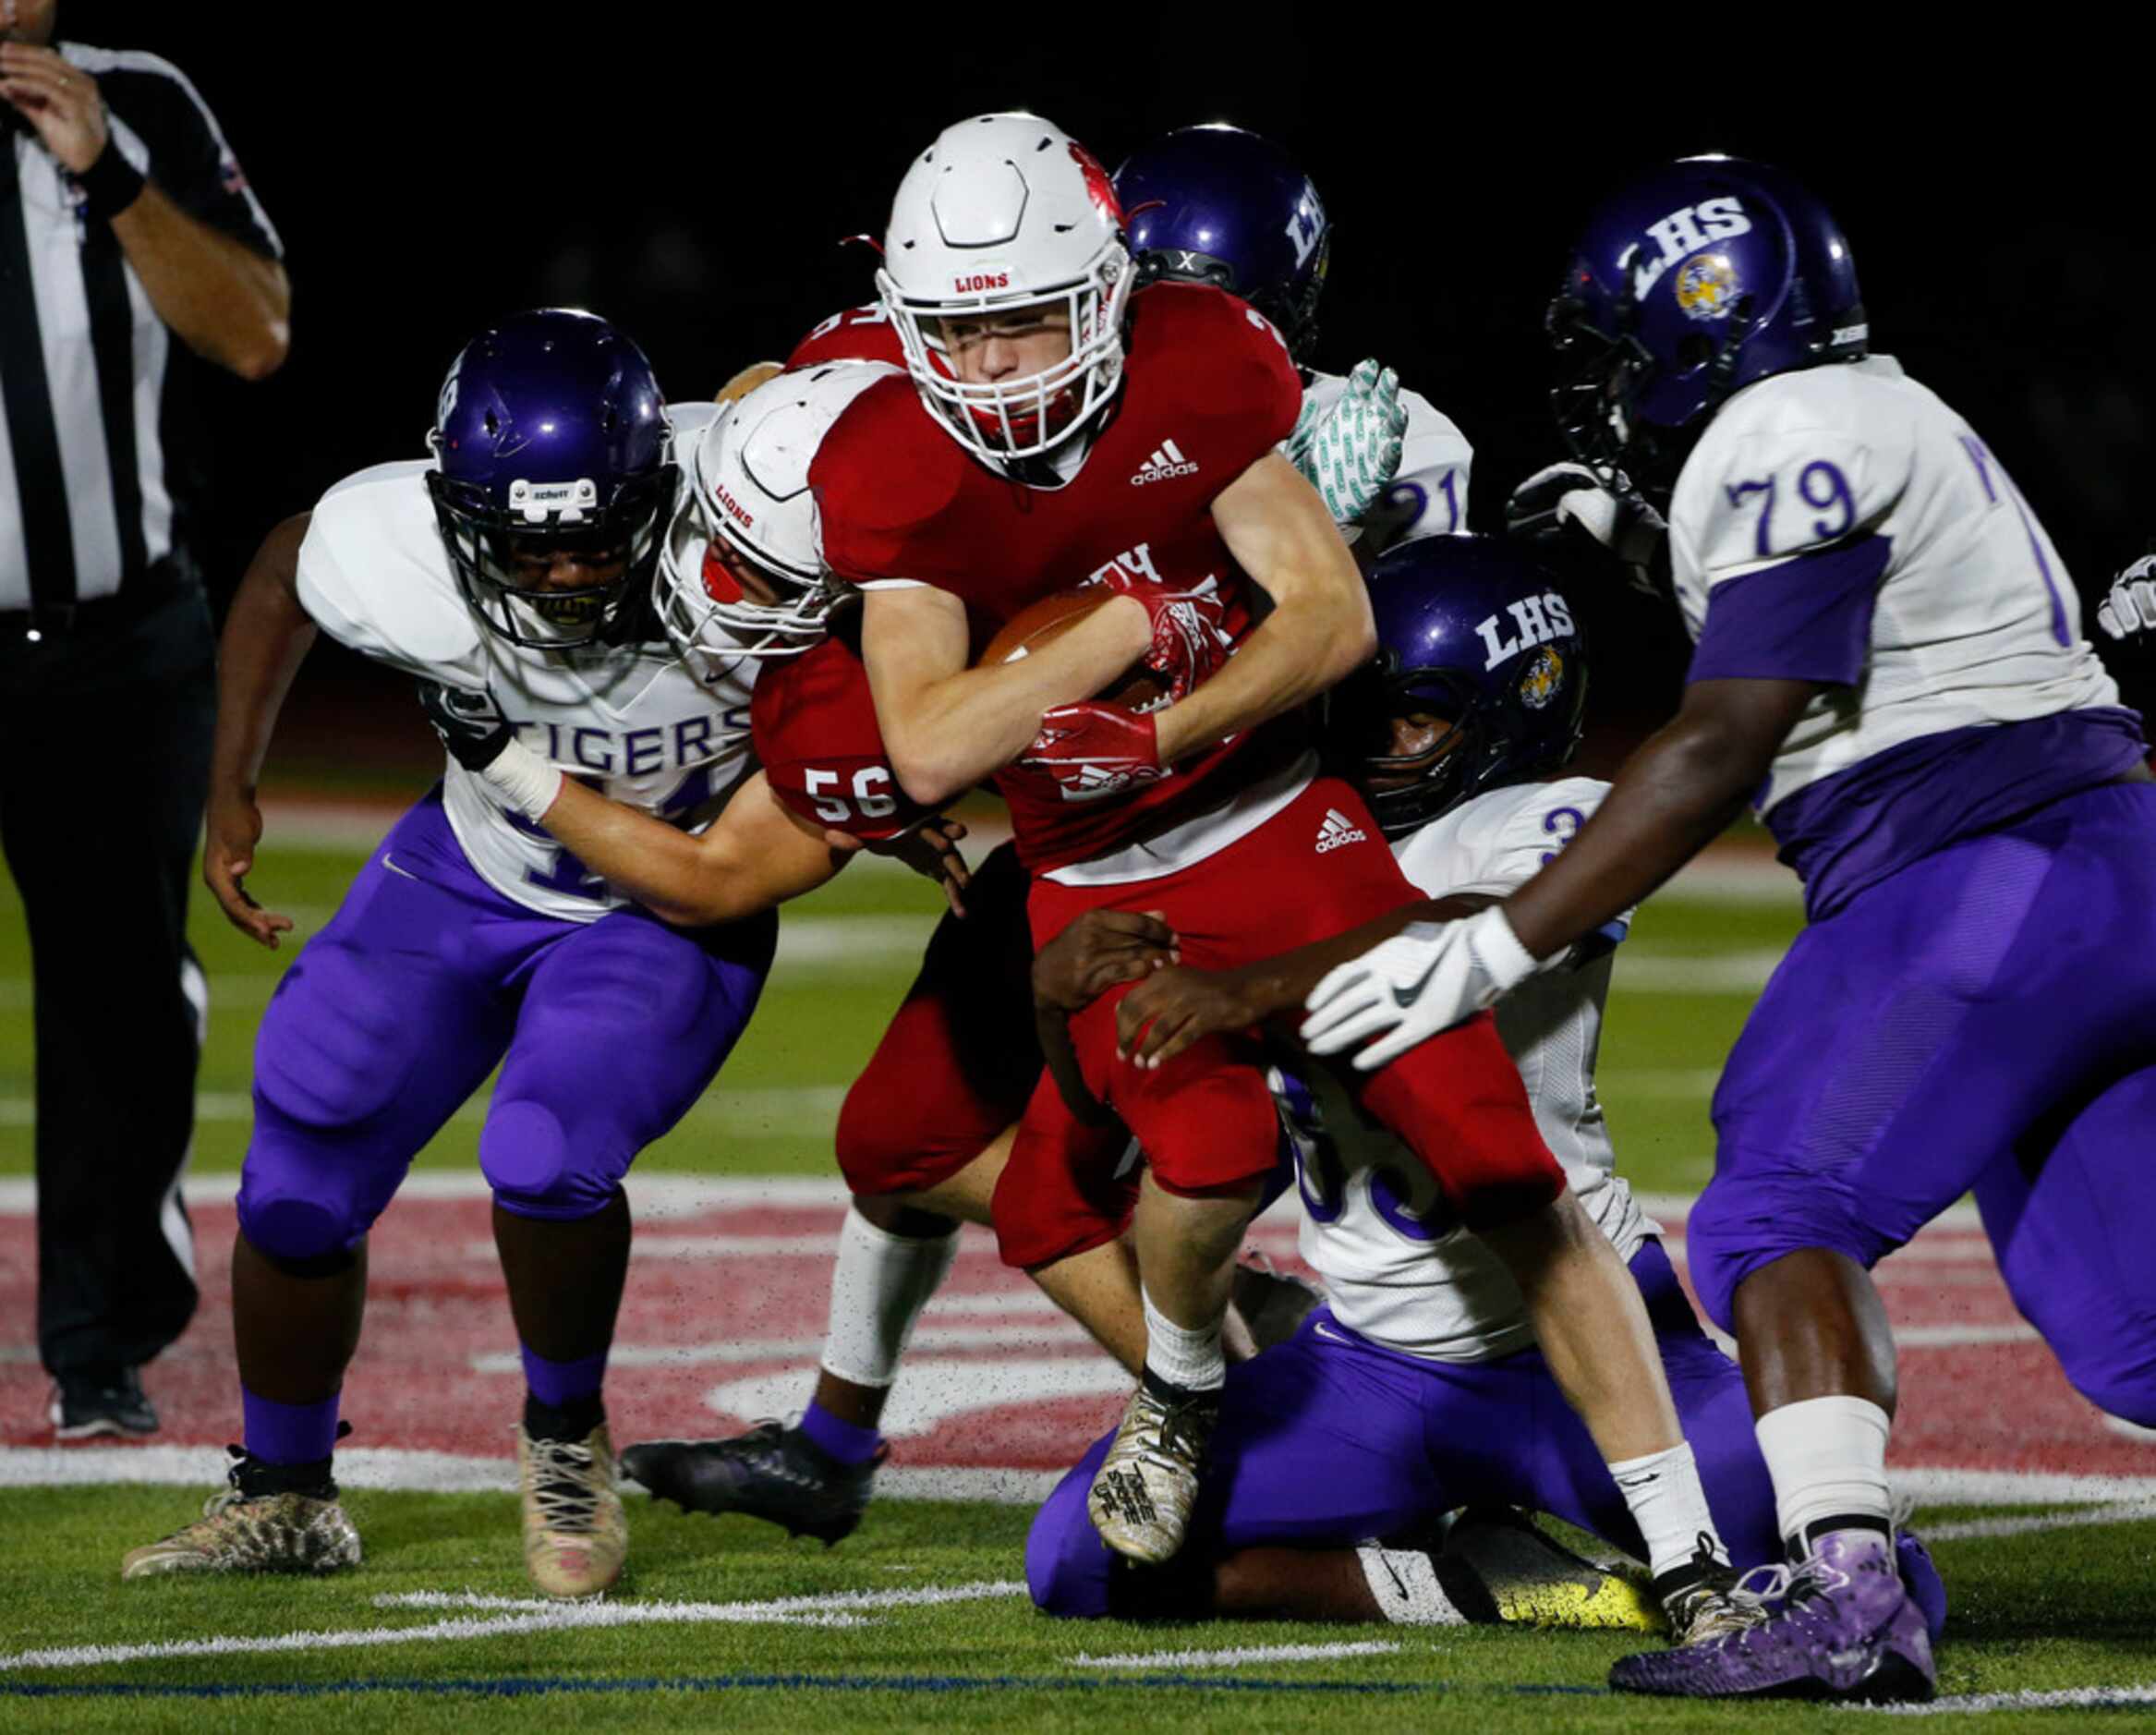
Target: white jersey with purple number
[(1372, 1224), (1428, 496), (1854, 483), (630, 720)]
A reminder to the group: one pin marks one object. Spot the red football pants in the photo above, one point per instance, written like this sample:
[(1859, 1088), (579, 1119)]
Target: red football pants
[(959, 1059), (1205, 1119)]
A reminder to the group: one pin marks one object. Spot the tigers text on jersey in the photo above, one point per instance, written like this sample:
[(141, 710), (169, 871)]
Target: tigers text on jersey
[(1842, 524), (903, 504), (1372, 1222), (816, 738), (1429, 495), (630, 720)]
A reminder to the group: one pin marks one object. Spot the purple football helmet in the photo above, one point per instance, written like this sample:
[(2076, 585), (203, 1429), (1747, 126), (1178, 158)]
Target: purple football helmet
[(551, 439), (1217, 204), (1473, 634), (1695, 280)]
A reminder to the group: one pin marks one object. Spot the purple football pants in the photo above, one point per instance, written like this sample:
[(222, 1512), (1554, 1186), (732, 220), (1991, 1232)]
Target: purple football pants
[(1985, 1018), (426, 979), (1329, 1440)]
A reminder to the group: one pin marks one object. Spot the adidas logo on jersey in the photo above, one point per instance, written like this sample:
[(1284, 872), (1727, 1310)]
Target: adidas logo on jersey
[(1335, 830), (1167, 461)]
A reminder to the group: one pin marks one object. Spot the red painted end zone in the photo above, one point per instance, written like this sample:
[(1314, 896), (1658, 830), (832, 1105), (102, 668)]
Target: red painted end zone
[(725, 1311)]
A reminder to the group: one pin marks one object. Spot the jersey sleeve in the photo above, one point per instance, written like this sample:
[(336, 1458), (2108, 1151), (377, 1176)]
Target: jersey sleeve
[(1781, 528), (1235, 367), (383, 599), (864, 334), (189, 159), (814, 725), (879, 515)]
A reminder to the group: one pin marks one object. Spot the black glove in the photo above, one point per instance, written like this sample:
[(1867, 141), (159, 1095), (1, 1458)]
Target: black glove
[(471, 724), (1568, 502)]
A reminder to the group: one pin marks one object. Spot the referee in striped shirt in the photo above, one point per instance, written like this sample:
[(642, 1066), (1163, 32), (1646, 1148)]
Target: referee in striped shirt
[(126, 234)]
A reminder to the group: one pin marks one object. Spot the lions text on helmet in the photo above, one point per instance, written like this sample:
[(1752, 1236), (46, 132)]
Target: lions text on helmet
[(1006, 276), (743, 573)]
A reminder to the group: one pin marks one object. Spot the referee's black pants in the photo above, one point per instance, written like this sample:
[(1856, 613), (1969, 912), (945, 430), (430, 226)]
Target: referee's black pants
[(104, 765)]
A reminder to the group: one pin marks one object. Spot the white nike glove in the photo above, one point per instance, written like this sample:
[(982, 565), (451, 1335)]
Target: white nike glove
[(1405, 989), (2129, 609), (1563, 497), (1351, 452)]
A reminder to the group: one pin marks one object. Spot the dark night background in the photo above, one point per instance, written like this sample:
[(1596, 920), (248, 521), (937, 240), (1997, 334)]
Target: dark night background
[(688, 172)]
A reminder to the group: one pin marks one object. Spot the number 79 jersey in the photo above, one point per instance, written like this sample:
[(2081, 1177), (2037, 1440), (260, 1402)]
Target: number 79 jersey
[(1843, 525)]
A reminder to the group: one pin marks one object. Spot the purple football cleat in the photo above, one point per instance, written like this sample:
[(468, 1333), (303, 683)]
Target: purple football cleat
[(1842, 1628)]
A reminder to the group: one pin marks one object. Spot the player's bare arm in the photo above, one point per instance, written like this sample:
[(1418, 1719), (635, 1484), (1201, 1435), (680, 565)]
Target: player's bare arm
[(1179, 1005), (266, 636), (229, 304), (947, 726), (1672, 799), (1320, 628)]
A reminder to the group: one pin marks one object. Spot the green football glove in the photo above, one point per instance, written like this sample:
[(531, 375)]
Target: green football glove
[(1351, 452)]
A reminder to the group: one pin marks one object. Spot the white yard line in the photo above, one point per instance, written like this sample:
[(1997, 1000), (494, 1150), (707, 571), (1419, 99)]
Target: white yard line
[(448, 1473), (837, 1608), (2063, 1699), (2031, 1523), (1244, 1654)]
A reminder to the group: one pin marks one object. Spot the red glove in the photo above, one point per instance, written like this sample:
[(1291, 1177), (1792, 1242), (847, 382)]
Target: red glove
[(1096, 750), (1188, 641)]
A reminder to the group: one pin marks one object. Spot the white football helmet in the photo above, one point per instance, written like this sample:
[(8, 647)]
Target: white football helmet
[(1006, 212), (748, 491)]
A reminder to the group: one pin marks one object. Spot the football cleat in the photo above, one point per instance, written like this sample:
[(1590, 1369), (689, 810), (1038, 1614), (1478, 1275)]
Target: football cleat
[(575, 1535), (1145, 1490), (251, 1527), (1273, 1304), (108, 1401), (1534, 1581), (1704, 1601), (1838, 1626), (772, 1471)]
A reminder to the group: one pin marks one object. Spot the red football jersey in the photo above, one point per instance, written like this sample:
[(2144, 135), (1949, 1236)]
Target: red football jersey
[(814, 725), (1208, 391), (863, 334)]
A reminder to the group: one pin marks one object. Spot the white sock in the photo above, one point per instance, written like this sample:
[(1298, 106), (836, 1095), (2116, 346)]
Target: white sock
[(878, 1288), (1828, 1458), (1187, 1357), (1405, 1584), (1669, 1506)]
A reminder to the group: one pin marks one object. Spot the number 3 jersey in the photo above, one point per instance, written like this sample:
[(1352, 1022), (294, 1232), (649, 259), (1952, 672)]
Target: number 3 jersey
[(1843, 525), (1372, 1224), (631, 720)]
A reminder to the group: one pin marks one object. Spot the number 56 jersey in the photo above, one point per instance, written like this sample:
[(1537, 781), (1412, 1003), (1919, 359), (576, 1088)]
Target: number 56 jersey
[(629, 719), (1843, 525)]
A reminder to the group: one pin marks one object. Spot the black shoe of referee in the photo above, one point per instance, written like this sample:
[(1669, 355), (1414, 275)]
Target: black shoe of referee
[(102, 1400)]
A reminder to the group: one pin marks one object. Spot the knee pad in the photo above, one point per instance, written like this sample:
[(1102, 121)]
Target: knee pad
[(300, 1235), (524, 1153)]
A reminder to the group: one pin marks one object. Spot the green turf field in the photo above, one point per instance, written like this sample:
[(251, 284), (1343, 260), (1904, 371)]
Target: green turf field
[(2031, 1615), (2065, 1609), (857, 943)]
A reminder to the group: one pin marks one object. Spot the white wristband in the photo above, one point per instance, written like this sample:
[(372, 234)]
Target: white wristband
[(526, 782), (1497, 949)]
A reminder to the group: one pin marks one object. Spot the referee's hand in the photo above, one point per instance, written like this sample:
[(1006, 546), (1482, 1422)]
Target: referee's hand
[(228, 856)]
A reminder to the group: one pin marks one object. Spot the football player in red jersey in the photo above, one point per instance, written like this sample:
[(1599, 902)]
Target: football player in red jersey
[(1057, 433)]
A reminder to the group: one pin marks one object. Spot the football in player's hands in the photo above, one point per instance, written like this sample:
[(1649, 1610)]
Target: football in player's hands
[(1140, 687)]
